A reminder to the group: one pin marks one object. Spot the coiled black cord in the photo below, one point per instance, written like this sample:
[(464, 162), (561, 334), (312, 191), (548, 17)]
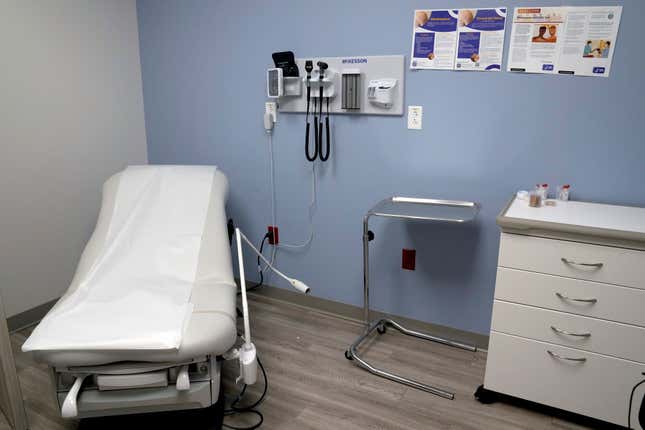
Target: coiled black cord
[(235, 409), (315, 155), (307, 127), (320, 153)]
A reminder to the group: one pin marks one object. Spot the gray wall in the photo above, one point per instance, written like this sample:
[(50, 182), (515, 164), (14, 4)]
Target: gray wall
[(71, 114), (485, 136)]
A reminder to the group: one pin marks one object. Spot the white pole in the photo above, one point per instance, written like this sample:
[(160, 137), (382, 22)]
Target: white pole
[(245, 304)]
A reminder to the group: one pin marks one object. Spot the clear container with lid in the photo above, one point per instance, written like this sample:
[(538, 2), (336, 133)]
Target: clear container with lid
[(563, 192), (543, 191)]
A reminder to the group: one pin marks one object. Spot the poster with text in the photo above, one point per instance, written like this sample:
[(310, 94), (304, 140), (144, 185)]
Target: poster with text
[(480, 39), (564, 40), (434, 39), (534, 37), (588, 40)]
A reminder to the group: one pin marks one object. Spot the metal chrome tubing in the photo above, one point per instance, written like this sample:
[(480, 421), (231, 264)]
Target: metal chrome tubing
[(370, 327), (429, 337), (366, 270), (385, 374)]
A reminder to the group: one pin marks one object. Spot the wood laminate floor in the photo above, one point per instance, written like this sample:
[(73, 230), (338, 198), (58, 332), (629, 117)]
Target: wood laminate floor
[(312, 385)]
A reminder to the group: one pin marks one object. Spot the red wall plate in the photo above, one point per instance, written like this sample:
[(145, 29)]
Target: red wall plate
[(274, 239), (408, 258)]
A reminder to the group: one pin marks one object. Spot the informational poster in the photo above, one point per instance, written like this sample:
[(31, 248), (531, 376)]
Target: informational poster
[(480, 39), (564, 40), (589, 39), (434, 40), (458, 39)]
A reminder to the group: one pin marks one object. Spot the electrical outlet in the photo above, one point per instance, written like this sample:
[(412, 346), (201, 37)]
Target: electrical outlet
[(415, 117), (274, 235), (272, 109), (408, 259)]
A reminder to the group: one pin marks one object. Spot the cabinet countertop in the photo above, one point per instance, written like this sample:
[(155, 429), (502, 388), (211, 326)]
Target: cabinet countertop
[(603, 224)]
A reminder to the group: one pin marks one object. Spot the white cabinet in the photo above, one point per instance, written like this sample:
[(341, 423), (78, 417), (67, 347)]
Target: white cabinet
[(568, 325), (592, 299), (598, 387), (617, 266)]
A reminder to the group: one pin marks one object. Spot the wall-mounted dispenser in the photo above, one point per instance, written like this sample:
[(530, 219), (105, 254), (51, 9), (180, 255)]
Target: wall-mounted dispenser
[(351, 89), (380, 92), (275, 86)]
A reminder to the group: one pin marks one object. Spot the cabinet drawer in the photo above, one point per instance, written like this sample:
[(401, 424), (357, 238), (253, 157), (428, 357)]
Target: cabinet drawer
[(598, 387), (611, 302), (588, 334), (558, 257)]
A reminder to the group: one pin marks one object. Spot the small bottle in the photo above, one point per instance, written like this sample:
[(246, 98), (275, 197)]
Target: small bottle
[(535, 198), (545, 191), (563, 192)]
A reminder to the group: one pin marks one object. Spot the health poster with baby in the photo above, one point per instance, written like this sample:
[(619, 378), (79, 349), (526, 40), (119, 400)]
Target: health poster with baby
[(564, 40), (480, 39), (434, 39)]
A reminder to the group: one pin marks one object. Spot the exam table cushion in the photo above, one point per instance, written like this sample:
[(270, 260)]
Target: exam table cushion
[(210, 328)]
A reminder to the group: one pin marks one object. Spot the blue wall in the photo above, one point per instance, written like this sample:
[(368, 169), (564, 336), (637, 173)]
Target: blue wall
[(485, 135)]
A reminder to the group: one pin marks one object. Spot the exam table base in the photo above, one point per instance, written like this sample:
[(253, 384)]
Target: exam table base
[(202, 390), (380, 325)]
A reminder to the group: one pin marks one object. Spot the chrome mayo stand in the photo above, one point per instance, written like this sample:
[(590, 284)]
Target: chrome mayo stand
[(412, 209)]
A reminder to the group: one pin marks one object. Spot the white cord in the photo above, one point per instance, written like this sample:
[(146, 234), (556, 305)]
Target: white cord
[(273, 210), (273, 216), (312, 205), (298, 285)]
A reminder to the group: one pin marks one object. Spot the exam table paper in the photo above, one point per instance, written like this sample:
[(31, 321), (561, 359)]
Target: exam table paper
[(136, 294)]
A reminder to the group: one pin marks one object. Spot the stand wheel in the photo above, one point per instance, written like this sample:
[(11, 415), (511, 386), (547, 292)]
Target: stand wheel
[(348, 355), (485, 396), (381, 329)]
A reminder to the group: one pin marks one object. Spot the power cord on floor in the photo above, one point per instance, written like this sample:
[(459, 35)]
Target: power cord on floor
[(236, 410)]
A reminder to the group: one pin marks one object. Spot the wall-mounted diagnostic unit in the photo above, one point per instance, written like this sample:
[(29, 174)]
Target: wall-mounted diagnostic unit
[(370, 85)]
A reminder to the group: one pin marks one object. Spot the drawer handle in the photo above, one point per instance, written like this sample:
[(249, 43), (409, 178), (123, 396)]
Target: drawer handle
[(564, 297), (568, 333), (559, 357), (596, 265)]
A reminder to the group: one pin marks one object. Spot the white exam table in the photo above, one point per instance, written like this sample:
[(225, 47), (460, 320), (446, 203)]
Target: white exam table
[(102, 381)]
